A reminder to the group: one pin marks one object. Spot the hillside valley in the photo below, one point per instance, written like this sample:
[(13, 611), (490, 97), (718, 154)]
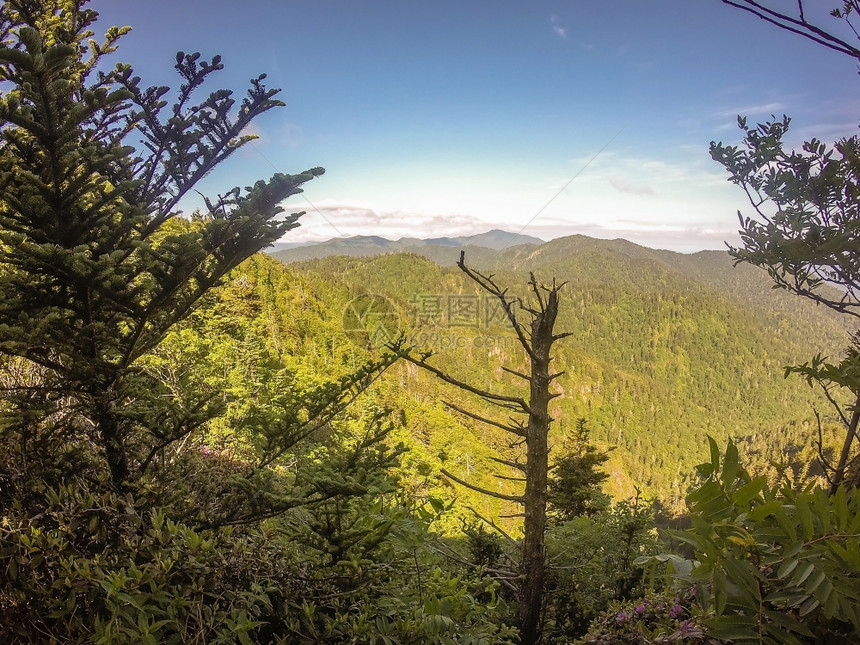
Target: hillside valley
[(215, 431), (666, 349)]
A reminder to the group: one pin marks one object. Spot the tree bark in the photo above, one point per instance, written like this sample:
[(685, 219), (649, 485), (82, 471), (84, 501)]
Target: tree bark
[(537, 468), (850, 431), (115, 453)]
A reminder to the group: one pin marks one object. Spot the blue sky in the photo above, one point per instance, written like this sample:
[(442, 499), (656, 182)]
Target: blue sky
[(454, 117)]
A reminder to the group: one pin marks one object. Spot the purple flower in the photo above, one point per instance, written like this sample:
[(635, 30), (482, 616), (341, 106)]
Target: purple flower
[(676, 611), (621, 618), (640, 609)]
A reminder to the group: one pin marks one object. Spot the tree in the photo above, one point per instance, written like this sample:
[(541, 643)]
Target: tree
[(771, 564), (574, 483), (536, 339), (96, 267), (807, 226), (95, 271)]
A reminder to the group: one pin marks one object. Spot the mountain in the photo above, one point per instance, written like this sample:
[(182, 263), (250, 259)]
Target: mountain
[(371, 245), (666, 348)]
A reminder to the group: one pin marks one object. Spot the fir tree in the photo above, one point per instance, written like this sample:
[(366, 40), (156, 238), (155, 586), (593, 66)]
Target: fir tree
[(575, 481), (94, 271)]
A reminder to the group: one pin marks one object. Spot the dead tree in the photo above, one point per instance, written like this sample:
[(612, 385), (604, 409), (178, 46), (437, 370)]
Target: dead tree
[(529, 423)]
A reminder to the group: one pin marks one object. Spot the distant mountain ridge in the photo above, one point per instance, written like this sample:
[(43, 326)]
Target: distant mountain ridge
[(373, 245)]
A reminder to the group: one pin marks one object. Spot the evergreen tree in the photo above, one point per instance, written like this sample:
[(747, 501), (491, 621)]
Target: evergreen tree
[(93, 271), (575, 481)]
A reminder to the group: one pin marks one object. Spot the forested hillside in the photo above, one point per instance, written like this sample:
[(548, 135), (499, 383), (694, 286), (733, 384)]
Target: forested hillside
[(665, 349), (203, 444)]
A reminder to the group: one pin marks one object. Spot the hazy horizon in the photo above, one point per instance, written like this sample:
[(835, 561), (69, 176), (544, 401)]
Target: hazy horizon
[(285, 243)]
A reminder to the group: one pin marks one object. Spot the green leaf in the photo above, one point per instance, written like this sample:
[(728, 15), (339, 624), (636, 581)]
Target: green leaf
[(785, 624), (762, 511), (733, 628), (804, 516), (786, 568), (840, 504), (814, 582), (802, 574), (744, 577), (690, 538), (721, 595), (715, 453), (809, 606), (746, 493), (730, 465)]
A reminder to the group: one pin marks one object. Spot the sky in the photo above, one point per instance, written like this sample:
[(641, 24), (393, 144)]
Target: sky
[(546, 118)]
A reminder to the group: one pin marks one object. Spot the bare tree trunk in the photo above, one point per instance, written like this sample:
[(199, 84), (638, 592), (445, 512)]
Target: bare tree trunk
[(537, 467), (536, 340)]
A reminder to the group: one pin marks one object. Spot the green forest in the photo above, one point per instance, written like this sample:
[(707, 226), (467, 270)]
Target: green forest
[(577, 441)]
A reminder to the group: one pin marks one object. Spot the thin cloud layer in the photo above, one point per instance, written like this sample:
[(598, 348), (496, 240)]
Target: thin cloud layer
[(558, 28), (425, 140), (624, 186), (326, 219), (752, 110)]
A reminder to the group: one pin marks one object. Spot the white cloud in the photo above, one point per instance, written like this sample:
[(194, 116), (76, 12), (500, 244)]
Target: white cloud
[(353, 220), (291, 135), (331, 218), (826, 132), (751, 110), (559, 29), (685, 239), (624, 186)]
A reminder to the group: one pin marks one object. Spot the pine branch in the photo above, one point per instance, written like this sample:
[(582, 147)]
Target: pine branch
[(504, 576), (508, 478), (536, 291), (510, 498), (325, 414), (512, 464), (497, 528), (487, 284), (514, 429), (525, 377), (484, 394)]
